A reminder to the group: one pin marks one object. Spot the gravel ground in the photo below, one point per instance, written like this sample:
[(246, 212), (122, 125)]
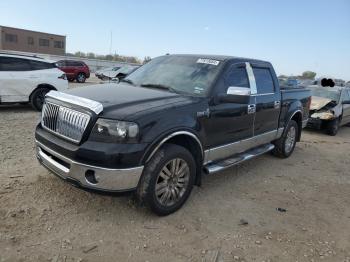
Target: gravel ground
[(233, 216)]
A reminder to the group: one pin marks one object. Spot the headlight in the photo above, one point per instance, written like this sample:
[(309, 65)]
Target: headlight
[(106, 130), (323, 115)]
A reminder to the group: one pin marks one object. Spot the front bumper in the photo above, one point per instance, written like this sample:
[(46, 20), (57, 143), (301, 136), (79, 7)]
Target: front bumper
[(314, 123), (87, 176)]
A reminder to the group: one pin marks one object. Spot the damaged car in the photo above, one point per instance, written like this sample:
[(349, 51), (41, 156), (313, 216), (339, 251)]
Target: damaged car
[(330, 108)]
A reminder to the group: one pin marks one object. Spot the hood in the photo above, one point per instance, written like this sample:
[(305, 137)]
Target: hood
[(318, 102), (123, 101)]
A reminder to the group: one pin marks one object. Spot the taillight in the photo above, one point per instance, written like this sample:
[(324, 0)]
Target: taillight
[(63, 76)]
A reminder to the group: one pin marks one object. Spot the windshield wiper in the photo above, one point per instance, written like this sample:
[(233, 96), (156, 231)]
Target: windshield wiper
[(127, 81), (159, 86)]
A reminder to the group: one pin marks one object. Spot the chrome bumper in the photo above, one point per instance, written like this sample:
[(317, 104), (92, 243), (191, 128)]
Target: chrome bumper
[(104, 179)]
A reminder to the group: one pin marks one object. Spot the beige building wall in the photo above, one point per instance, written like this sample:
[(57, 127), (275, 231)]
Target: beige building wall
[(31, 41)]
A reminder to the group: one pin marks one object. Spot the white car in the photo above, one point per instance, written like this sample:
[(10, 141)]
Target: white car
[(100, 73), (120, 73), (27, 79)]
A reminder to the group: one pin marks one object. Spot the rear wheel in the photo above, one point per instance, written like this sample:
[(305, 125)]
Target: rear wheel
[(333, 127), (81, 78), (167, 180), (38, 97), (285, 145)]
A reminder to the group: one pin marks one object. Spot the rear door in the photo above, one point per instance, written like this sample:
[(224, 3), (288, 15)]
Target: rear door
[(16, 79), (268, 100), (346, 107)]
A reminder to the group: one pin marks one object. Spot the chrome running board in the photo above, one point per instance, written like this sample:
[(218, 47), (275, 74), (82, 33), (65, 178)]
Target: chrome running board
[(237, 159)]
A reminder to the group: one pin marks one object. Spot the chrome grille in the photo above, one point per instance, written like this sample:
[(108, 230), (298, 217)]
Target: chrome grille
[(64, 121)]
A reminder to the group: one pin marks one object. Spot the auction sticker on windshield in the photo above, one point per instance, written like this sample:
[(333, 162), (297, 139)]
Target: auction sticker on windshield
[(208, 61)]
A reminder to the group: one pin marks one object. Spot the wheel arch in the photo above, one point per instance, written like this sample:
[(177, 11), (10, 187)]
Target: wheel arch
[(80, 72), (48, 86), (297, 116), (183, 138)]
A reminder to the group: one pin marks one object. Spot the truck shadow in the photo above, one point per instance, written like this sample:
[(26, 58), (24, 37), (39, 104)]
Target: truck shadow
[(16, 108)]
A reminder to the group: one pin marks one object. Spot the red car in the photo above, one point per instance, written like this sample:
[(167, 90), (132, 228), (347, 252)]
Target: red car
[(75, 70)]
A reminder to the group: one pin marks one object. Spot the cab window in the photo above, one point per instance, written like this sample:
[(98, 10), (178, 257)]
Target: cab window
[(264, 81), (237, 76)]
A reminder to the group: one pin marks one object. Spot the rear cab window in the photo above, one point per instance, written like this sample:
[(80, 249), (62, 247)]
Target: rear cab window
[(264, 80)]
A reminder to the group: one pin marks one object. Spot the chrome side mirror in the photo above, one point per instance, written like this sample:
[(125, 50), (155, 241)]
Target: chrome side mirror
[(238, 91)]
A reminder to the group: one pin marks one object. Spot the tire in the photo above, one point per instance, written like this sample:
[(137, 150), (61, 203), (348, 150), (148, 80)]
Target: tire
[(333, 127), (38, 97), (158, 177), (81, 77), (285, 145)]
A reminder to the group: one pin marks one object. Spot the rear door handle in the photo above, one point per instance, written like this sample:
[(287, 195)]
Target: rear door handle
[(277, 104), (251, 109)]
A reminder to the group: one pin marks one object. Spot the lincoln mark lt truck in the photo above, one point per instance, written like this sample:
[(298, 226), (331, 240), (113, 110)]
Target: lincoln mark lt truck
[(170, 122)]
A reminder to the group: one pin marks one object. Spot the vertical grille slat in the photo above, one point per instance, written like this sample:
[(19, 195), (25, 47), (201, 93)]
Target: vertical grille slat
[(65, 122)]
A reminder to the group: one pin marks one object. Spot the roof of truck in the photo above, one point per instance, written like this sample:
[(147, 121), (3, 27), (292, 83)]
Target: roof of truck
[(222, 57)]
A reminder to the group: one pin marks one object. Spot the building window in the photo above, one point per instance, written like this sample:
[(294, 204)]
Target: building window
[(30, 40), (44, 42), (58, 44), (11, 38)]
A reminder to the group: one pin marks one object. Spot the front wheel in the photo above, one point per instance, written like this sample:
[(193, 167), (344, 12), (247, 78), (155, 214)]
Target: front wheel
[(285, 145), (167, 180), (38, 97)]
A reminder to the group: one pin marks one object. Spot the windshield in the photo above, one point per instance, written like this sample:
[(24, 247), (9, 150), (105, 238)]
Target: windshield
[(326, 93), (182, 74)]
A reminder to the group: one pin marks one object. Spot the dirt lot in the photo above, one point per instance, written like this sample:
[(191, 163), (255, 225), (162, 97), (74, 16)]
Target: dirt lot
[(232, 217)]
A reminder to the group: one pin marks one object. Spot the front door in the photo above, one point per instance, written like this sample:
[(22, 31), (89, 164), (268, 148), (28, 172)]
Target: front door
[(229, 122)]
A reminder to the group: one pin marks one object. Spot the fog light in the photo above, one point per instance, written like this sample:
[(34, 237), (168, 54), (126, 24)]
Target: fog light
[(90, 177)]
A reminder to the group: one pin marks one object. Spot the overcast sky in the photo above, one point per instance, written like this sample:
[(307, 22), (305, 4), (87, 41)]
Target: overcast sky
[(294, 35)]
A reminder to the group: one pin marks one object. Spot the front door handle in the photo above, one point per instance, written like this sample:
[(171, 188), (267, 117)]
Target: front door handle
[(277, 104), (251, 109)]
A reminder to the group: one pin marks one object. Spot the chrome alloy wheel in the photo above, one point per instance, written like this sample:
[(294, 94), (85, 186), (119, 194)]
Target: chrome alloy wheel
[(290, 140), (172, 182)]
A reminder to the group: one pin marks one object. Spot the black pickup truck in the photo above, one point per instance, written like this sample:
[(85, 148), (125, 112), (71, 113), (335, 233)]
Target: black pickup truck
[(168, 123)]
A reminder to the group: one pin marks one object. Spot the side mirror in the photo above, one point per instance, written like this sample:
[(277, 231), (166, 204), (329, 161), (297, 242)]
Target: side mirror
[(234, 94), (346, 102), (115, 80)]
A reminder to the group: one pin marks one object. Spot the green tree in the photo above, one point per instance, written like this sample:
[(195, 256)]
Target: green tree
[(91, 55), (146, 59), (80, 54), (109, 57), (309, 75)]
